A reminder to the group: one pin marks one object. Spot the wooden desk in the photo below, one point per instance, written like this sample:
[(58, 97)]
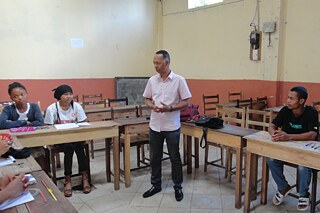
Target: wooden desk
[(231, 136), (38, 205), (292, 152), (234, 104), (51, 136), (129, 126), (26, 165), (98, 114)]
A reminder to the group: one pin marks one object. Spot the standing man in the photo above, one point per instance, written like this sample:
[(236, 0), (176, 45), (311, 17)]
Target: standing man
[(166, 94), (298, 123)]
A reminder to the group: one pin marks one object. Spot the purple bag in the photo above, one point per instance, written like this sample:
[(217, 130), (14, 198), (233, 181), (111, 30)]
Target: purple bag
[(189, 112)]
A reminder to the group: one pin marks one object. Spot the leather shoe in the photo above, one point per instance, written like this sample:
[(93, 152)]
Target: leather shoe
[(178, 194), (152, 191)]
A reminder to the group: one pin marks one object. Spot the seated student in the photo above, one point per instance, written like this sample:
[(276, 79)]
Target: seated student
[(297, 122), (10, 186), (67, 111), (22, 113)]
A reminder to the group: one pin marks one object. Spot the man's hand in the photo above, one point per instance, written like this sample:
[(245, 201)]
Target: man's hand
[(280, 136)]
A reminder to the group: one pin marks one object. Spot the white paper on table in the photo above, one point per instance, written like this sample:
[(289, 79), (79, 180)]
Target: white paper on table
[(5, 162), (84, 124), (66, 126), (25, 197)]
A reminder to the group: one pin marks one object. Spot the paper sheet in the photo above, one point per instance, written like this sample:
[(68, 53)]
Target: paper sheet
[(66, 126), (5, 162), (25, 197)]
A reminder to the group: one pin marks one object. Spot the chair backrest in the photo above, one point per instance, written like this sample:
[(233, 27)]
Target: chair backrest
[(258, 119), (234, 116), (124, 112), (262, 103), (209, 104), (92, 97), (244, 103), (113, 102), (94, 104), (76, 98), (144, 111), (233, 96)]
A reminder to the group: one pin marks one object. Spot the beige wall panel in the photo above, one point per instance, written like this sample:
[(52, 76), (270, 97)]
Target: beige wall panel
[(301, 41), (119, 37)]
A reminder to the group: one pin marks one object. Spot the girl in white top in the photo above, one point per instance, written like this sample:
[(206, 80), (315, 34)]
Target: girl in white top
[(67, 111)]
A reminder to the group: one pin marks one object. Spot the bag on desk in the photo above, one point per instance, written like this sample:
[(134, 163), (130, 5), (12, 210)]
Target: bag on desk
[(17, 153), (189, 112), (211, 123)]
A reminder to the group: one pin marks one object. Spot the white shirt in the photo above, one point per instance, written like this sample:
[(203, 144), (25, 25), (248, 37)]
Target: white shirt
[(71, 115), (172, 90), (23, 115)]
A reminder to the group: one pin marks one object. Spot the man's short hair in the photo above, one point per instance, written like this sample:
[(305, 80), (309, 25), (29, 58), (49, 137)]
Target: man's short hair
[(165, 55), (302, 92), (15, 85)]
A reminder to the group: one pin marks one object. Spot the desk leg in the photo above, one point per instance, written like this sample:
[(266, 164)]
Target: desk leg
[(238, 182), (196, 152), (108, 159), (189, 154), (184, 149), (264, 181), (249, 172), (127, 178), (116, 163)]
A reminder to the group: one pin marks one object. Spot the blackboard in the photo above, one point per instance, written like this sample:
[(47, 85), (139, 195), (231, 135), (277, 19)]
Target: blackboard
[(131, 87)]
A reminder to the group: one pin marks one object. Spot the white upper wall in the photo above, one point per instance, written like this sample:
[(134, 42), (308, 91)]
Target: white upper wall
[(120, 38), (213, 42)]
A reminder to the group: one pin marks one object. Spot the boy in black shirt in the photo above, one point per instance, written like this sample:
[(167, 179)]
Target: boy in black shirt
[(298, 123)]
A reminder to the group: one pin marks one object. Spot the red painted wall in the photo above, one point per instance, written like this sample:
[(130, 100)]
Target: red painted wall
[(40, 90)]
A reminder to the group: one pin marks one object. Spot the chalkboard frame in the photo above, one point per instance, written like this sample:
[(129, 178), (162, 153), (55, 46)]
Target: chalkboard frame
[(137, 86)]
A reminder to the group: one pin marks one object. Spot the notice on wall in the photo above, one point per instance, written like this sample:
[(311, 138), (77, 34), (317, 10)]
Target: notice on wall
[(76, 43)]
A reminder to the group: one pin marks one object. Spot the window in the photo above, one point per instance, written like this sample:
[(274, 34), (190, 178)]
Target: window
[(199, 3)]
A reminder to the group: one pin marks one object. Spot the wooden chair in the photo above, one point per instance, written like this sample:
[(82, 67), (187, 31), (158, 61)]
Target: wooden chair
[(138, 140), (209, 108), (209, 104), (76, 98), (232, 116), (258, 119), (233, 96), (93, 101), (261, 104), (55, 150), (244, 103), (112, 102)]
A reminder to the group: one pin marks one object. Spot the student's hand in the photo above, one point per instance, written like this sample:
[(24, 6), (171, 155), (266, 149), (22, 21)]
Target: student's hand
[(280, 136), (4, 146), (6, 179), (16, 186)]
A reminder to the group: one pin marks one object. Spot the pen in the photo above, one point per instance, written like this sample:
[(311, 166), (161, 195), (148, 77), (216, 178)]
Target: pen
[(308, 144), (49, 190), (42, 195), (12, 158)]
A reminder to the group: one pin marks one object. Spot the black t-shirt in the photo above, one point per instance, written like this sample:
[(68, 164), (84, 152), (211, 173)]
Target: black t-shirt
[(290, 124)]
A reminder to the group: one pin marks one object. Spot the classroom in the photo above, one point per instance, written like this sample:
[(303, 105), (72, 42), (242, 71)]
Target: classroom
[(261, 48)]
